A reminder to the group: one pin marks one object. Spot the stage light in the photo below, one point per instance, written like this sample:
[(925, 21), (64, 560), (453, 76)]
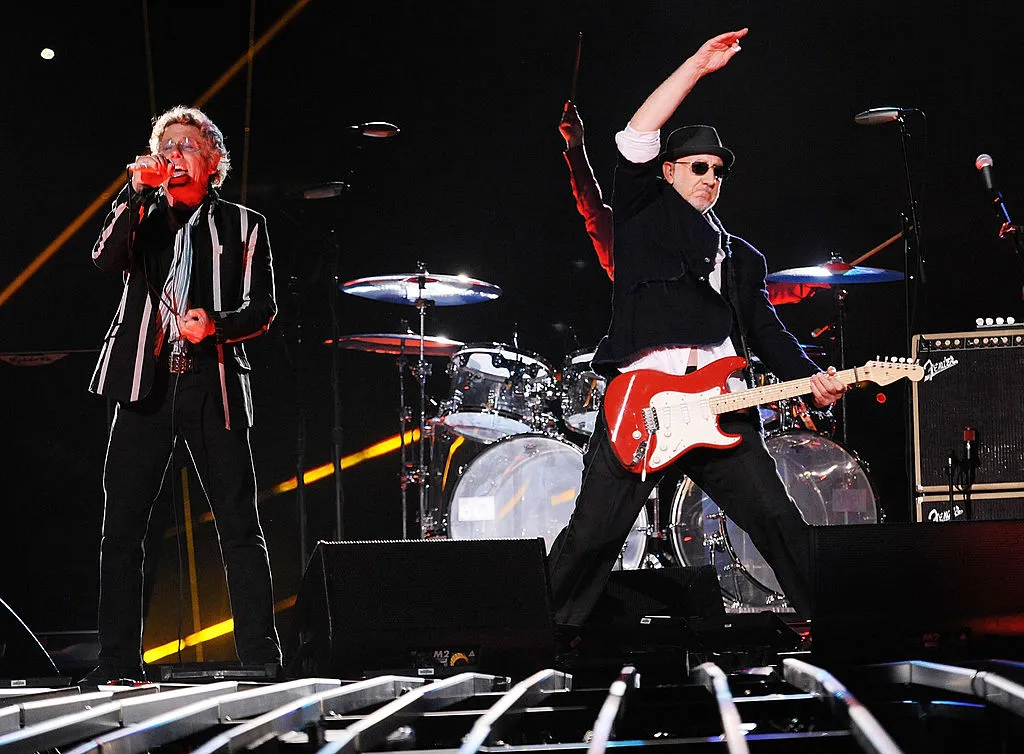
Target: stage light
[(46, 53)]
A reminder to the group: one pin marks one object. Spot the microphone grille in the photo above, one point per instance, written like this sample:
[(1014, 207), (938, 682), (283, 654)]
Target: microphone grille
[(983, 161)]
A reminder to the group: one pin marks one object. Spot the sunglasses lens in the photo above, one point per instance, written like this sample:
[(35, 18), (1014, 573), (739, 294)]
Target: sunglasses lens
[(721, 171), (699, 168)]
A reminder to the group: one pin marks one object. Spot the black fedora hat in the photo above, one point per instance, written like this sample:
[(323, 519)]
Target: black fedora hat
[(695, 140)]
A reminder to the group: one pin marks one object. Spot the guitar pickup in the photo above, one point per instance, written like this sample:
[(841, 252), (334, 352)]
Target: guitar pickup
[(650, 420)]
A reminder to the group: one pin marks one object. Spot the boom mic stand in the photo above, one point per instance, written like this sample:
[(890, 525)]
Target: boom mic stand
[(914, 262)]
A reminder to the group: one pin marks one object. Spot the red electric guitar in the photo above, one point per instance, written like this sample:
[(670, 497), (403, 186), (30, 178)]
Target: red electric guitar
[(654, 418)]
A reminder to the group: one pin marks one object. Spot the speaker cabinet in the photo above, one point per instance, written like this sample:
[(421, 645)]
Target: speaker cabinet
[(678, 592), (431, 607), (971, 379), (892, 592)]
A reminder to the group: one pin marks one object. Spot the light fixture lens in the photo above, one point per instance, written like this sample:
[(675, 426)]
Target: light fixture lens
[(46, 53)]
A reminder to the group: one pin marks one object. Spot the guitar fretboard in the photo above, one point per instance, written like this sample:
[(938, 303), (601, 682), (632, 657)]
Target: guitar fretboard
[(770, 393)]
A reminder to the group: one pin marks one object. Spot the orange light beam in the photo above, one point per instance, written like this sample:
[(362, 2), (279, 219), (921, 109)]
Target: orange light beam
[(203, 635), (104, 198), (387, 445)]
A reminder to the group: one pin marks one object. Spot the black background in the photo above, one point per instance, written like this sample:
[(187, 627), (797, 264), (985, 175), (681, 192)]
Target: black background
[(475, 184)]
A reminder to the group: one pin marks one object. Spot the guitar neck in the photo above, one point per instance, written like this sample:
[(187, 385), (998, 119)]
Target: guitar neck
[(770, 393)]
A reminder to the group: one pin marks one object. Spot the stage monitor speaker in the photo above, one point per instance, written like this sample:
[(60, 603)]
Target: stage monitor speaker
[(894, 592), (22, 657), (429, 607), (677, 592), (971, 379)]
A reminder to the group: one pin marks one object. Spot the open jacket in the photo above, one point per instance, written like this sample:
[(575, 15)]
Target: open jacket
[(232, 278), (664, 253)]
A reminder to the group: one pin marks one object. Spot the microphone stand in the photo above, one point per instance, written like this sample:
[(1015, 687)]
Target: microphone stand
[(914, 264), (336, 431), (300, 425)]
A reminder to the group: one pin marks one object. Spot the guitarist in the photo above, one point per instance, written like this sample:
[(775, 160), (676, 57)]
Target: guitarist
[(686, 293)]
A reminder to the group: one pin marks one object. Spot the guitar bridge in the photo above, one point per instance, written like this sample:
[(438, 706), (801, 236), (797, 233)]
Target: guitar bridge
[(650, 420)]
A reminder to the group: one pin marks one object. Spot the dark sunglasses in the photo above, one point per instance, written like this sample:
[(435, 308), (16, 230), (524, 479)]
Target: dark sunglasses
[(700, 168)]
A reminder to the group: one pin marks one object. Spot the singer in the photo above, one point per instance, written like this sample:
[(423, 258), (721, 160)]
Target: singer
[(199, 280), (686, 294)]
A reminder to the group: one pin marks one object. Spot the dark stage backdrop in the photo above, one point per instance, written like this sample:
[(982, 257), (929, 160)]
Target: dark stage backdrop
[(475, 183)]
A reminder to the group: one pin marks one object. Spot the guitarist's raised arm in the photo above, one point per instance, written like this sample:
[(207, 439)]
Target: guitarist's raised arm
[(666, 98)]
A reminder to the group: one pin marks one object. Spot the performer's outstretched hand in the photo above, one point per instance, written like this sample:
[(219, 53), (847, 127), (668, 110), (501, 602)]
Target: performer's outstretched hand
[(717, 51)]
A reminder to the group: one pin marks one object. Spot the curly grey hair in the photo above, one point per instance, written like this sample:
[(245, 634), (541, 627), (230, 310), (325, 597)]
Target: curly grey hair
[(191, 116)]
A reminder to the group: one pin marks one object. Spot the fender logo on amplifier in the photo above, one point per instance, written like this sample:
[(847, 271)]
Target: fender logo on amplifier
[(932, 368)]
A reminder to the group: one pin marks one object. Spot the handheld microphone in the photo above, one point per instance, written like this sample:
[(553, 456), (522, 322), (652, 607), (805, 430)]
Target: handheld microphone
[(878, 115)]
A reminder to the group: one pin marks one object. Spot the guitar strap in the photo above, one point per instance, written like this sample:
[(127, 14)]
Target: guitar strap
[(730, 274)]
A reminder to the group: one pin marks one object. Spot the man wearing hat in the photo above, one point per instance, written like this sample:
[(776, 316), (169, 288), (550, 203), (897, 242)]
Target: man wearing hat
[(686, 294)]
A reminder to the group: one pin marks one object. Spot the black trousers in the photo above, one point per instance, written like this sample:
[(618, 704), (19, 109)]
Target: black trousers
[(743, 481), (139, 452)]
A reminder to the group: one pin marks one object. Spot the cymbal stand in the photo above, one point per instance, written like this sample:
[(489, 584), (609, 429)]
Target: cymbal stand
[(840, 294), (403, 422), (422, 371), (654, 549)]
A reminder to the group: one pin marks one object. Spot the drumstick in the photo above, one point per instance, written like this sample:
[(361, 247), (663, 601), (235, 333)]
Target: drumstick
[(576, 68), (875, 250)]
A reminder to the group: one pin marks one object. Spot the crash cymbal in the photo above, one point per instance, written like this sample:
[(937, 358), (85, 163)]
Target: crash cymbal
[(407, 344), (834, 273), (440, 290)]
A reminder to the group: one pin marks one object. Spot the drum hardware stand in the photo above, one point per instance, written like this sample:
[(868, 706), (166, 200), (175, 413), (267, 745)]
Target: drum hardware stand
[(421, 371), (654, 549)]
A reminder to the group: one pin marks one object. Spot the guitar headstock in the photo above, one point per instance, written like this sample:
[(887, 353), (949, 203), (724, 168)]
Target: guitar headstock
[(882, 372)]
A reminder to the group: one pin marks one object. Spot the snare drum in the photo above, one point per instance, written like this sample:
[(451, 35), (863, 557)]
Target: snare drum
[(526, 486), (498, 391), (830, 487), (582, 392)]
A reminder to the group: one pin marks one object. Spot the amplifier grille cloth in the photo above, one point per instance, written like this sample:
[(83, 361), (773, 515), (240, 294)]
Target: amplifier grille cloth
[(971, 379)]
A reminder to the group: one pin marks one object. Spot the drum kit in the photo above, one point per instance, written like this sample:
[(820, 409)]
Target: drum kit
[(503, 456)]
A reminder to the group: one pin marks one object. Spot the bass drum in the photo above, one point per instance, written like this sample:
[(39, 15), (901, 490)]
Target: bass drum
[(830, 487), (526, 486)]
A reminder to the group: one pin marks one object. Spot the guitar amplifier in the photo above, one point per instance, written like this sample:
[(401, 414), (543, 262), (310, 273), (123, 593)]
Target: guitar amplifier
[(971, 379), (985, 506)]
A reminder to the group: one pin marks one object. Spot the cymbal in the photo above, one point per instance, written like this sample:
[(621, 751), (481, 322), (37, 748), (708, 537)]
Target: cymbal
[(834, 273), (441, 290), (398, 343)]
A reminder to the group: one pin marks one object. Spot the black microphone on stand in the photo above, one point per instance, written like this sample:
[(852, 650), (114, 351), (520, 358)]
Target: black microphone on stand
[(377, 129), (878, 115), (970, 450)]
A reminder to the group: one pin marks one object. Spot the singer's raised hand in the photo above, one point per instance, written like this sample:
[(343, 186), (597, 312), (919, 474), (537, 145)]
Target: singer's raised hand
[(149, 170)]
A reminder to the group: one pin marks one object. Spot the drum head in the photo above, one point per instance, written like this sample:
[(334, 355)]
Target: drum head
[(829, 485), (499, 361), (525, 486)]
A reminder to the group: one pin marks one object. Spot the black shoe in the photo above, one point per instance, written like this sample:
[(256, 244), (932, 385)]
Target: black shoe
[(113, 675)]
